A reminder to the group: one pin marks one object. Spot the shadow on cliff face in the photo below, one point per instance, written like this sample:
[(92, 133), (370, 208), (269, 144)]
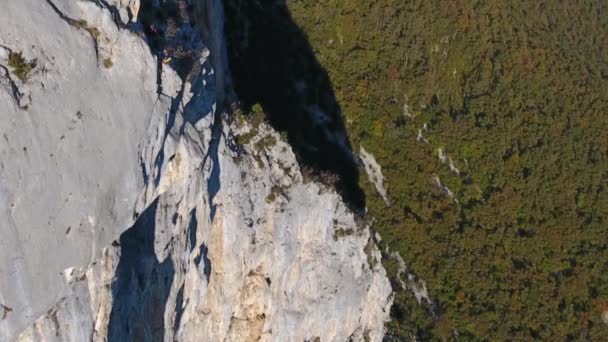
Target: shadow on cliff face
[(273, 64), (142, 285)]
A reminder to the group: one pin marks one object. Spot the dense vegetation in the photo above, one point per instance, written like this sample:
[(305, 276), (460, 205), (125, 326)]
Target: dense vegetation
[(515, 94)]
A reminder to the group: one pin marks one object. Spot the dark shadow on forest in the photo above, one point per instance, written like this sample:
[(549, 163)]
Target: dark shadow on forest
[(273, 64)]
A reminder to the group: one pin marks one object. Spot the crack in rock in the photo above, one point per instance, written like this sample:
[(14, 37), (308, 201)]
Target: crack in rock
[(7, 81), (79, 24)]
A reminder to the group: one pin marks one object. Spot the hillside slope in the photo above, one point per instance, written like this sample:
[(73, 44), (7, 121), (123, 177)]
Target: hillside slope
[(489, 121)]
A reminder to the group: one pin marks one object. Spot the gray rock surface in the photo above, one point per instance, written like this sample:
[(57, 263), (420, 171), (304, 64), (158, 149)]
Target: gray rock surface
[(374, 173), (131, 215), (69, 164)]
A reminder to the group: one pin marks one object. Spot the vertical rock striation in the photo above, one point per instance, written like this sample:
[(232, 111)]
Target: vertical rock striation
[(142, 218), (70, 174)]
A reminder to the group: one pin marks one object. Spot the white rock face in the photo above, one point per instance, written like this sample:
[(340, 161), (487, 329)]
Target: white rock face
[(212, 241), (69, 168), (374, 173)]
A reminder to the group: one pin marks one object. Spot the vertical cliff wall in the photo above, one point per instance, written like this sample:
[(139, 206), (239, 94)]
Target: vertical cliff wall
[(133, 211), (70, 132)]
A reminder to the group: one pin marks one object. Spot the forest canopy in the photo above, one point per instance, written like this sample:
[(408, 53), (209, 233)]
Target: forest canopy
[(490, 121)]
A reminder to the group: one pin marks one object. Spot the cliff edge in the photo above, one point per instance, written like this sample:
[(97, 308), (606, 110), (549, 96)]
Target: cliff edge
[(131, 208)]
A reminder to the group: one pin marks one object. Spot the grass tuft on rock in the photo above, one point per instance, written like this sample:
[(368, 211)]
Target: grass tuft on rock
[(22, 68), (107, 63)]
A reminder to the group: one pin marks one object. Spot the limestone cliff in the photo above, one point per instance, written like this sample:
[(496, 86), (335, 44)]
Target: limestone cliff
[(129, 211)]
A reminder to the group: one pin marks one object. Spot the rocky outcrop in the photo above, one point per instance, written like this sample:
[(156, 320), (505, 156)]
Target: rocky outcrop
[(69, 169), (132, 214), (374, 173)]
